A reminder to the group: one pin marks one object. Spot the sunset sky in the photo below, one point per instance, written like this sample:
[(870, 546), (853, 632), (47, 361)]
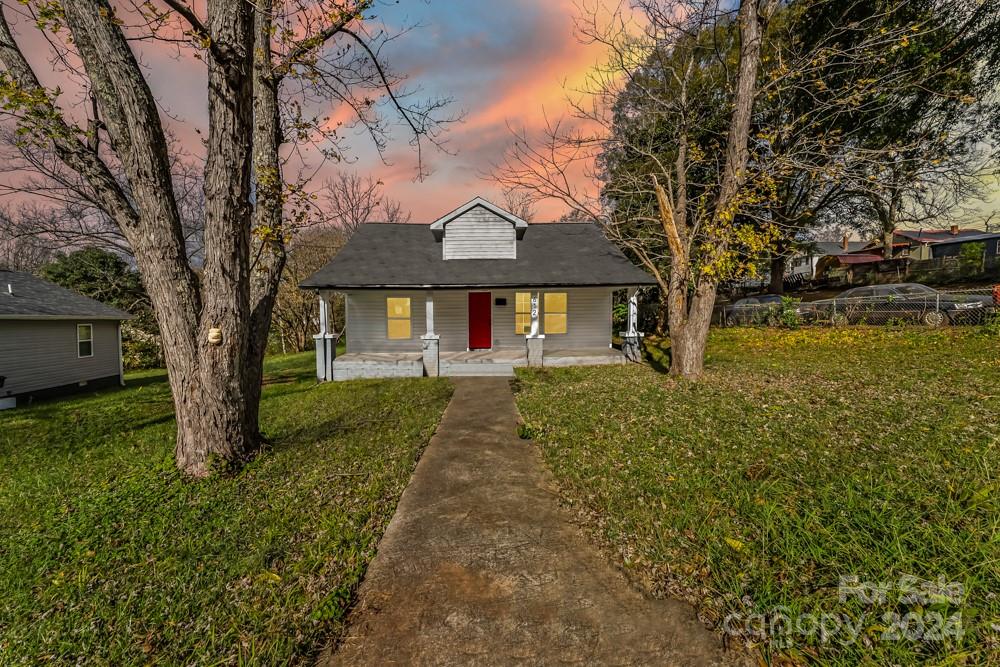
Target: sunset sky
[(503, 63)]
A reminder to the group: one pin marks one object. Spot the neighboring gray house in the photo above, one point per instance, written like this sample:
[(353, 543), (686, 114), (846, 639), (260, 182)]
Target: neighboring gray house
[(53, 340), (477, 292)]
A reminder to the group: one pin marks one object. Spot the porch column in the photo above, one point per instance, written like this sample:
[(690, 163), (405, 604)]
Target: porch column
[(631, 338), (429, 311), (535, 340), (326, 341), (430, 342)]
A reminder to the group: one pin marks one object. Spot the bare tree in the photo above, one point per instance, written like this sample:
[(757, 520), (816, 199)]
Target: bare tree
[(520, 203), (348, 201), (60, 220), (393, 211), (17, 252), (268, 64), (295, 318)]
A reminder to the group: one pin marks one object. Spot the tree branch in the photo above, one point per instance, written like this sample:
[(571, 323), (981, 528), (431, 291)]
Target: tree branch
[(309, 44), (64, 137), (187, 13), (417, 133)]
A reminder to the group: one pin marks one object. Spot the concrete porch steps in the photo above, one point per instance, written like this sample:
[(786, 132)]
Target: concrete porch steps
[(476, 369), (481, 363)]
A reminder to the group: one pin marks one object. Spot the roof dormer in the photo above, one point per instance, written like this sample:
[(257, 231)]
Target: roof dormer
[(479, 230)]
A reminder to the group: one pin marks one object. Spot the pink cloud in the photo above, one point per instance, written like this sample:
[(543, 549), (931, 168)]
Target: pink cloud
[(503, 63)]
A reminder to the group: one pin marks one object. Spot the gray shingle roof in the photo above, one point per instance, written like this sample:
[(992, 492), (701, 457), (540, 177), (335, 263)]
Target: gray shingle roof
[(407, 255), (33, 298), (837, 247), (939, 235), (971, 238)]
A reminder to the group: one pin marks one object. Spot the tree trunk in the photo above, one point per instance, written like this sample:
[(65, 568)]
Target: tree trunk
[(689, 323), (220, 424), (268, 232), (688, 342), (888, 236), (662, 314), (211, 389), (737, 145), (778, 263)]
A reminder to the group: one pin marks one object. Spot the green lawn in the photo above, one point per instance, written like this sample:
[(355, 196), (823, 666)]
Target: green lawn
[(108, 557), (802, 457)]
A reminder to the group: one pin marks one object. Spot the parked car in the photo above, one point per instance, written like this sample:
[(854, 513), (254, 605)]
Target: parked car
[(879, 304), (751, 309), (758, 309)]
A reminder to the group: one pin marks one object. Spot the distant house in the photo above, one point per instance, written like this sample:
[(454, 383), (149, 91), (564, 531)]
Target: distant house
[(953, 247), (477, 292), (910, 249), (53, 340), (806, 262), (922, 244)]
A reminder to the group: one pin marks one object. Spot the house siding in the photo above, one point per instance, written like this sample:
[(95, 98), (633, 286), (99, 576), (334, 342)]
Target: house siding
[(954, 249), (588, 320), (367, 326), (479, 234), (42, 354)]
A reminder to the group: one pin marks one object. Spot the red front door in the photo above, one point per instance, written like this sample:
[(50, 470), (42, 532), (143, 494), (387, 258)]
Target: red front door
[(480, 320)]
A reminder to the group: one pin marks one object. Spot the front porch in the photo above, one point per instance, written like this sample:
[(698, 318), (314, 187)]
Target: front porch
[(528, 347), (501, 363)]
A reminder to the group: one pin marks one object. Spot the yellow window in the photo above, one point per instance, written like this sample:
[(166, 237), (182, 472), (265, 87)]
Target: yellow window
[(522, 313), (555, 312), (397, 310)]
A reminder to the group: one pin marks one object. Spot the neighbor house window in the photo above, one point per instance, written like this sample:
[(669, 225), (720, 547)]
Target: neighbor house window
[(84, 340), (555, 312), (398, 317), (522, 313)]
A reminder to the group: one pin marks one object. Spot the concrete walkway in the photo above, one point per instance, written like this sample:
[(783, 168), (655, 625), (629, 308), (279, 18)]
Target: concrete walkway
[(481, 566)]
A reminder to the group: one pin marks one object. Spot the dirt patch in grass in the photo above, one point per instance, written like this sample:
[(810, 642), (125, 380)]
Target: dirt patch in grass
[(109, 557), (803, 457)]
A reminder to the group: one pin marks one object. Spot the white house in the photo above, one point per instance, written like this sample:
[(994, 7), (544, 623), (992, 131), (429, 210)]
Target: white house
[(477, 292)]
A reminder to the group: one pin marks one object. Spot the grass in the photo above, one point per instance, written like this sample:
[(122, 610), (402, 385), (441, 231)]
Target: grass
[(109, 557), (802, 457)]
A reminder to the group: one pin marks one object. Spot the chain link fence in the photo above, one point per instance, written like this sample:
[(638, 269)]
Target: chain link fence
[(875, 305)]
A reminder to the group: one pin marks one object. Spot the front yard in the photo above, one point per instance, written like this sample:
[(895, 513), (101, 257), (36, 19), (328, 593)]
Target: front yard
[(805, 458), (108, 557)]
